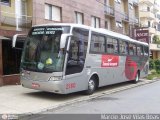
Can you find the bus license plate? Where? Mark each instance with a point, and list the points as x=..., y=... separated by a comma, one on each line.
x=35, y=85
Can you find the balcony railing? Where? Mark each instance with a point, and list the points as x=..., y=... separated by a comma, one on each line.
x=147, y=14
x=157, y=32
x=148, y=2
x=134, y=20
x=13, y=20
x=135, y=2
x=125, y=17
x=156, y=20
x=156, y=8
x=153, y=46
x=152, y=30
x=109, y=10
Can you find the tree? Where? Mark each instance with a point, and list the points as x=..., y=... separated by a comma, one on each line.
x=156, y=39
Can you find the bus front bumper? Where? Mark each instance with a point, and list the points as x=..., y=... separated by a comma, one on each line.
x=48, y=86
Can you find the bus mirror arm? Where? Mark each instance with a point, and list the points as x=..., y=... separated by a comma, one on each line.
x=67, y=51
x=64, y=40
x=15, y=39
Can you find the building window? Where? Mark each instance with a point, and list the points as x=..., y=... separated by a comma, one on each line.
x=105, y=2
x=131, y=5
x=5, y=2
x=118, y=1
x=95, y=22
x=106, y=24
x=149, y=24
x=52, y=12
x=78, y=17
x=119, y=24
x=148, y=9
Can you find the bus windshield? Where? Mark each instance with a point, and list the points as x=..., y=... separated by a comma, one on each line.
x=42, y=51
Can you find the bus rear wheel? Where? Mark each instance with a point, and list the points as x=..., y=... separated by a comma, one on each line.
x=136, y=80
x=91, y=86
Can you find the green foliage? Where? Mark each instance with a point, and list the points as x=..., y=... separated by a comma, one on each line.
x=150, y=77
x=156, y=39
x=157, y=66
x=154, y=66
x=153, y=72
x=151, y=64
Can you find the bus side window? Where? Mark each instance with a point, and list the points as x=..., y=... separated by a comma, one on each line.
x=97, y=43
x=132, y=49
x=146, y=51
x=123, y=45
x=140, y=50
x=77, y=51
x=135, y=49
x=115, y=43
x=112, y=45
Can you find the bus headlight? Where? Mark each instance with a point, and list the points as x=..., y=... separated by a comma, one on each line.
x=55, y=78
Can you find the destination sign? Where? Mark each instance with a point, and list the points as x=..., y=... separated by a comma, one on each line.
x=47, y=31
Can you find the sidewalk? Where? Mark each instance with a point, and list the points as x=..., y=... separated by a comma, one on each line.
x=19, y=100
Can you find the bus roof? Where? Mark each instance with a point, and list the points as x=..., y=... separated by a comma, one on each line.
x=99, y=30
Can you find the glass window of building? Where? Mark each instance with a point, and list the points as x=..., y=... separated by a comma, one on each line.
x=79, y=18
x=52, y=12
x=5, y=2
x=95, y=22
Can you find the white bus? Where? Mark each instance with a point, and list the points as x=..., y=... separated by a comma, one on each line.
x=66, y=58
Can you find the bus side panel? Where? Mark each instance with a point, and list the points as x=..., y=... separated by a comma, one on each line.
x=144, y=68
x=76, y=82
x=133, y=64
x=109, y=74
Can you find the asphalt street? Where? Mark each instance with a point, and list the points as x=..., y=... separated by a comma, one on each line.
x=20, y=102
x=140, y=100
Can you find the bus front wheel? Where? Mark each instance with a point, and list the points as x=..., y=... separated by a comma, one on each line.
x=91, y=86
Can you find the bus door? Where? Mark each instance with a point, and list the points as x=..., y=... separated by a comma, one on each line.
x=75, y=73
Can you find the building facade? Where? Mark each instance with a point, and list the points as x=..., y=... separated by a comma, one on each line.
x=88, y=12
x=17, y=16
x=14, y=18
x=121, y=15
x=149, y=20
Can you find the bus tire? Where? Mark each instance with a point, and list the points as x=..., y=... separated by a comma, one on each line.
x=136, y=80
x=91, y=86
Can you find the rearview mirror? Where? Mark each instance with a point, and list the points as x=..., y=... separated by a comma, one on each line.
x=64, y=39
x=14, y=40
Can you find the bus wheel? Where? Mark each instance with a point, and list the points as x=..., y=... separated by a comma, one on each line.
x=91, y=86
x=137, y=78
